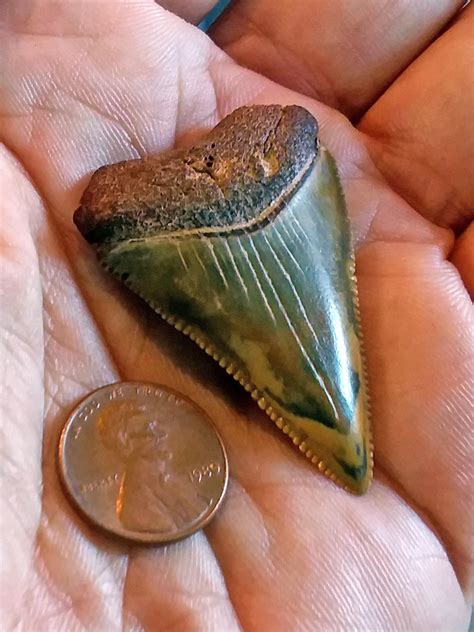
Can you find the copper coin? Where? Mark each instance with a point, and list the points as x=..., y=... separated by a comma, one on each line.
x=143, y=462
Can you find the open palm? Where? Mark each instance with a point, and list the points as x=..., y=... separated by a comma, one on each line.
x=88, y=83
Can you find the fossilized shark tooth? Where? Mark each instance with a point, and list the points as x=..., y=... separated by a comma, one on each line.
x=243, y=243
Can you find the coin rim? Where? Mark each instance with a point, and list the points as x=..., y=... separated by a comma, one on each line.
x=136, y=537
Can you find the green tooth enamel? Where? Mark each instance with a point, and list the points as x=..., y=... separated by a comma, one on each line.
x=270, y=294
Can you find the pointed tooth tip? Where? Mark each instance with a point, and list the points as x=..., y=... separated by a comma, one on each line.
x=262, y=403
x=359, y=488
x=354, y=487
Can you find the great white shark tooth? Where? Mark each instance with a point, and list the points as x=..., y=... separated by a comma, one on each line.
x=243, y=243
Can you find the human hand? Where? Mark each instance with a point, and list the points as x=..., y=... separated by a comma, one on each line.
x=89, y=83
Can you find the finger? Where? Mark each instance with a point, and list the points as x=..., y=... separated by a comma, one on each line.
x=191, y=11
x=46, y=342
x=420, y=357
x=44, y=370
x=21, y=385
x=420, y=131
x=341, y=52
x=463, y=258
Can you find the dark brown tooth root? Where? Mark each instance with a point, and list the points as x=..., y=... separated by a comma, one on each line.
x=257, y=152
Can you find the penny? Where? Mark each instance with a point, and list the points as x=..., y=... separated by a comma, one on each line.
x=143, y=462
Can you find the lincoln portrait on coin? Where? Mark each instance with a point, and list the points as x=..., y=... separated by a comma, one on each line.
x=153, y=496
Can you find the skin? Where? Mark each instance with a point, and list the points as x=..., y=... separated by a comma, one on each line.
x=87, y=83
